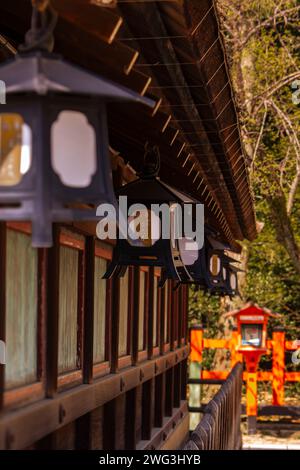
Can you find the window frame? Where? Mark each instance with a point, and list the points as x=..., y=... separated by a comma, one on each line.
x=104, y=251
x=29, y=393
x=68, y=238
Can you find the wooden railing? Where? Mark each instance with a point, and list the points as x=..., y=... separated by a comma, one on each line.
x=219, y=428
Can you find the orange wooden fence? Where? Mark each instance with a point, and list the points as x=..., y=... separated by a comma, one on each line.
x=277, y=346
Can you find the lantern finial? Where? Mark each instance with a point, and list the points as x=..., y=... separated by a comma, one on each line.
x=43, y=21
x=151, y=164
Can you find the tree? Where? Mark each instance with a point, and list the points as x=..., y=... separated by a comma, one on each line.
x=262, y=41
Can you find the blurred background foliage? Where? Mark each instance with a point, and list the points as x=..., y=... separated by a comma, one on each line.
x=262, y=42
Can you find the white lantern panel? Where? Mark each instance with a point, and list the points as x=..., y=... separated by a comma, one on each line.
x=73, y=149
x=189, y=251
x=214, y=265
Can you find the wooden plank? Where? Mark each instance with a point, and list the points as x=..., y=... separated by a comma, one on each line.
x=177, y=385
x=214, y=374
x=102, y=22
x=88, y=59
x=169, y=403
x=160, y=436
x=184, y=378
x=42, y=315
x=124, y=332
x=45, y=416
x=135, y=315
x=131, y=417
x=216, y=343
x=96, y=428
x=52, y=314
x=82, y=432
x=120, y=417
x=162, y=319
x=115, y=316
x=181, y=315
x=2, y=301
x=109, y=423
x=88, y=341
x=116, y=55
x=64, y=438
x=151, y=313
x=148, y=390
x=160, y=397
x=138, y=414
x=292, y=377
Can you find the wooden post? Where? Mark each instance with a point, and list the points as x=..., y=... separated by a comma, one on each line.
x=278, y=368
x=251, y=399
x=2, y=303
x=196, y=338
x=252, y=360
x=89, y=310
x=234, y=354
x=53, y=255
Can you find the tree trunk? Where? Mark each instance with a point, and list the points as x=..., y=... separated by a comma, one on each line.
x=283, y=227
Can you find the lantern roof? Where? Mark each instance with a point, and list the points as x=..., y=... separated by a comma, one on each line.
x=42, y=73
x=155, y=191
x=217, y=244
x=253, y=309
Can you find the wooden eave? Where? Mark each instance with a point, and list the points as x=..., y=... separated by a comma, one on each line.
x=199, y=140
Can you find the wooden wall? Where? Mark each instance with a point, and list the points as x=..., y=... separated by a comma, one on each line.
x=110, y=355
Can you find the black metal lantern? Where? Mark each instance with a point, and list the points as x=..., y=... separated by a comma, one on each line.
x=166, y=253
x=230, y=276
x=213, y=269
x=54, y=151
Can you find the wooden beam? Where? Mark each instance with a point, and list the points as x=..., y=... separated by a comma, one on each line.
x=42, y=418
x=115, y=55
x=89, y=59
x=102, y=22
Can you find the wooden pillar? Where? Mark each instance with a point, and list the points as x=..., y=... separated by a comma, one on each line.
x=251, y=399
x=169, y=402
x=278, y=368
x=252, y=359
x=2, y=302
x=160, y=390
x=135, y=315
x=196, y=339
x=147, y=409
x=234, y=354
x=150, y=315
x=89, y=310
x=133, y=429
x=115, y=314
x=177, y=385
x=52, y=314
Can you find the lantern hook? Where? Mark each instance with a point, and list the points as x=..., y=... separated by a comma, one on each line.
x=151, y=164
x=43, y=22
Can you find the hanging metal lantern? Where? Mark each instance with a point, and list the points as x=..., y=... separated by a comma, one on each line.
x=230, y=274
x=54, y=151
x=156, y=250
x=212, y=269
